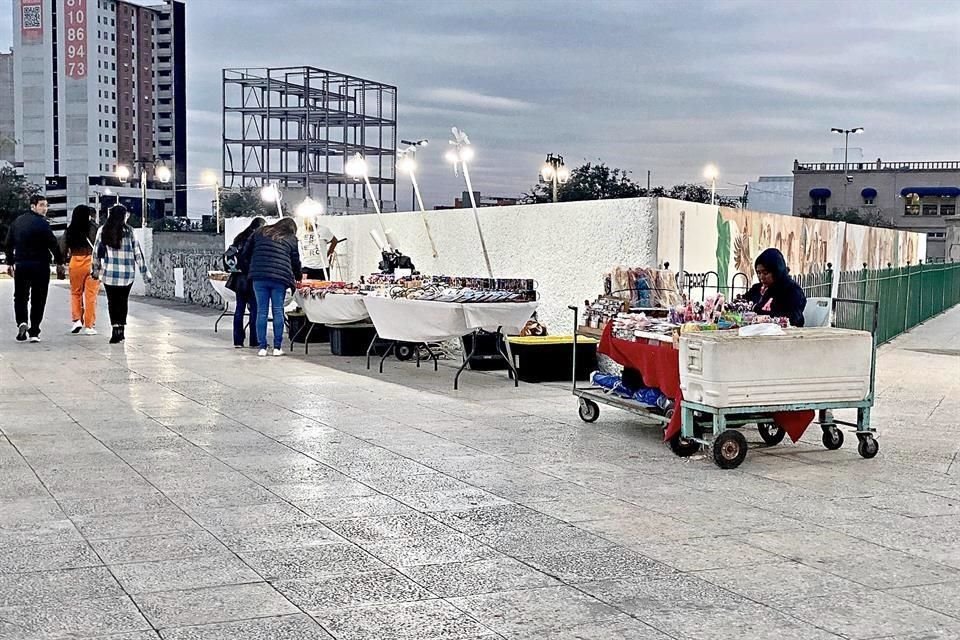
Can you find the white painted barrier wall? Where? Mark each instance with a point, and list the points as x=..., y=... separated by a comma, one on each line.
x=565, y=247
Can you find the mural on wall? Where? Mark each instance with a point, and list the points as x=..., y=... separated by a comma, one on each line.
x=809, y=244
x=195, y=264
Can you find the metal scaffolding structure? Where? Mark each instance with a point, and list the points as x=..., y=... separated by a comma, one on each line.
x=298, y=127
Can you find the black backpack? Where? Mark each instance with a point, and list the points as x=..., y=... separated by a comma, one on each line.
x=231, y=259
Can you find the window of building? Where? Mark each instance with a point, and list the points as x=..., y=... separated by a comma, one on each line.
x=819, y=207
x=911, y=205
x=948, y=209
x=930, y=209
x=114, y=138
x=936, y=235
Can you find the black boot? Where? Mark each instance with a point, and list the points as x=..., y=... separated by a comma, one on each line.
x=122, y=334
x=117, y=334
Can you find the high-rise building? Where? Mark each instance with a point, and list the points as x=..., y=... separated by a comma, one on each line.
x=8, y=133
x=100, y=84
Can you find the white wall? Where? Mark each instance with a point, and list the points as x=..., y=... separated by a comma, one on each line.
x=565, y=247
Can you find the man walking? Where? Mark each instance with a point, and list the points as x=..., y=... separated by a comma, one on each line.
x=30, y=244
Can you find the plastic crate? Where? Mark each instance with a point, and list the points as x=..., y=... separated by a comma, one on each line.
x=486, y=358
x=351, y=341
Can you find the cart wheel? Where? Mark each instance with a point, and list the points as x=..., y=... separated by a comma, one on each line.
x=771, y=433
x=404, y=351
x=684, y=448
x=589, y=410
x=729, y=449
x=868, y=447
x=832, y=437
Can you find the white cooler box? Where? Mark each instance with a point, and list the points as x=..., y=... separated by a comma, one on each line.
x=721, y=369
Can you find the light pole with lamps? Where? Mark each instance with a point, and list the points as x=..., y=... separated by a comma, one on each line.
x=270, y=193
x=411, y=152
x=357, y=169
x=460, y=154
x=710, y=173
x=211, y=178
x=406, y=161
x=555, y=173
x=160, y=171
x=846, y=148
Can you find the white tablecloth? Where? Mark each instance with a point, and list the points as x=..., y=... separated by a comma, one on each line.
x=220, y=286
x=334, y=308
x=424, y=321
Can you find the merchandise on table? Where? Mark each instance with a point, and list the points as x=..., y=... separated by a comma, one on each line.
x=318, y=289
x=459, y=289
x=219, y=276
x=643, y=287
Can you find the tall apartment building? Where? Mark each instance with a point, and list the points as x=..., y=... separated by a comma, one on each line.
x=7, y=129
x=101, y=84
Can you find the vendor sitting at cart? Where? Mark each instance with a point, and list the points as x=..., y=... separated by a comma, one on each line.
x=777, y=294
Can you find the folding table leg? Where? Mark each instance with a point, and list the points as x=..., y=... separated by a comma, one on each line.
x=466, y=361
x=225, y=312
x=433, y=356
x=501, y=340
x=370, y=349
x=388, y=352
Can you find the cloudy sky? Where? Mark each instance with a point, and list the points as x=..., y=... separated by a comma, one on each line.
x=639, y=84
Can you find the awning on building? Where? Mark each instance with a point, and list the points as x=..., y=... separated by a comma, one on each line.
x=869, y=192
x=820, y=194
x=944, y=192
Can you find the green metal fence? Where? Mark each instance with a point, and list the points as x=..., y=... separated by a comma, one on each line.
x=906, y=296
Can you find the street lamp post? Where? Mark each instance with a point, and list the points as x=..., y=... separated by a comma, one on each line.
x=554, y=172
x=210, y=178
x=406, y=161
x=846, y=148
x=357, y=169
x=411, y=151
x=160, y=171
x=460, y=155
x=711, y=173
x=271, y=193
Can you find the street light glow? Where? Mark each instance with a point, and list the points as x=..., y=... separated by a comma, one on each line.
x=466, y=153
x=209, y=177
x=356, y=167
x=270, y=193
x=547, y=172
x=164, y=174
x=123, y=173
x=309, y=208
x=563, y=175
x=710, y=172
x=407, y=164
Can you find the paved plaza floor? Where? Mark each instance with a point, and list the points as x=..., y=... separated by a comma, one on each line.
x=173, y=487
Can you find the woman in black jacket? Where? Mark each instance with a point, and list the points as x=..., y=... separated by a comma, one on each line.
x=777, y=294
x=240, y=284
x=274, y=267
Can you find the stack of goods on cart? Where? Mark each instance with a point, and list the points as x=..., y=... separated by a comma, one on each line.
x=630, y=386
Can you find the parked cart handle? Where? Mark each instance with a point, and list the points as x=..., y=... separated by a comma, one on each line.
x=576, y=319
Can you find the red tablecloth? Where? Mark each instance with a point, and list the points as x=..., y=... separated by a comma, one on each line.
x=659, y=364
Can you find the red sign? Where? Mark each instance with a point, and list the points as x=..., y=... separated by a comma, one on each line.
x=31, y=19
x=75, y=60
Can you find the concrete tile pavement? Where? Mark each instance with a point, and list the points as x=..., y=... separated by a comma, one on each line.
x=173, y=487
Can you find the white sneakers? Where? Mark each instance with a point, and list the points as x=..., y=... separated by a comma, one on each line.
x=276, y=352
x=88, y=331
x=262, y=352
x=22, y=332
x=34, y=338
x=77, y=326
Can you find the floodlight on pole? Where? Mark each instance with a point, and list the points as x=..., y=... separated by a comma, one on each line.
x=407, y=163
x=309, y=208
x=357, y=169
x=710, y=172
x=270, y=193
x=460, y=155
x=555, y=173
x=846, y=147
x=123, y=173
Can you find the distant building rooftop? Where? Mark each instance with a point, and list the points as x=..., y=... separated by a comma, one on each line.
x=879, y=165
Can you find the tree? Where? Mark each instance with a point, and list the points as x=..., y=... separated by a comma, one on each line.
x=15, y=194
x=851, y=216
x=700, y=193
x=246, y=202
x=588, y=182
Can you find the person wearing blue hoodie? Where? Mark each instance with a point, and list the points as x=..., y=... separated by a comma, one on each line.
x=777, y=294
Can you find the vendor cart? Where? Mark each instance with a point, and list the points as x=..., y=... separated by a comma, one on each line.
x=699, y=424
